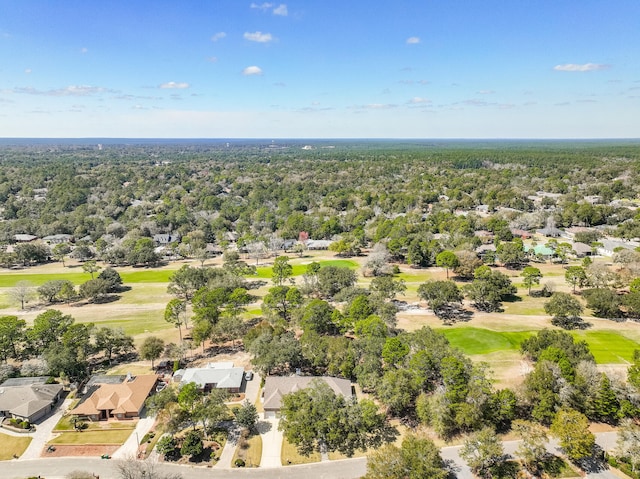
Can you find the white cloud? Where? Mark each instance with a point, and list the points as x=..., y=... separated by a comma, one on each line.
x=281, y=10
x=258, y=37
x=261, y=6
x=174, y=85
x=486, y=92
x=212, y=59
x=413, y=40
x=218, y=36
x=84, y=50
x=252, y=70
x=28, y=70
x=416, y=100
x=71, y=90
x=585, y=67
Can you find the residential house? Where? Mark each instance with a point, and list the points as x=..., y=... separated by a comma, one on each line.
x=28, y=399
x=277, y=386
x=24, y=238
x=582, y=249
x=318, y=244
x=166, y=239
x=522, y=234
x=485, y=236
x=550, y=232
x=220, y=375
x=124, y=400
x=608, y=247
x=57, y=239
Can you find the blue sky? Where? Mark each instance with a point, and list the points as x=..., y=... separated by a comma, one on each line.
x=320, y=69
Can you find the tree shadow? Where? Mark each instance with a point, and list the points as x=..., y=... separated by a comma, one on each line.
x=263, y=427
x=452, y=314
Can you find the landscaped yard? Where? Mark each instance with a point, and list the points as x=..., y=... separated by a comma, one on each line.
x=92, y=436
x=290, y=455
x=66, y=424
x=12, y=445
x=249, y=450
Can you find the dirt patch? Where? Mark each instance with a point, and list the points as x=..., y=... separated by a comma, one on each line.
x=85, y=451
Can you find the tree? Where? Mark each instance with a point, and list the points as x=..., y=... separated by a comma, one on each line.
x=416, y=458
x=60, y=251
x=22, y=292
x=151, y=348
x=173, y=314
x=135, y=469
x=511, y=254
x=440, y=295
x=48, y=328
x=332, y=279
x=112, y=278
x=281, y=270
x=67, y=291
x=447, y=260
x=94, y=289
x=468, y=262
x=247, y=415
x=575, y=276
x=12, y=333
x=604, y=302
x=167, y=447
x=51, y=290
x=282, y=301
x=565, y=309
x=489, y=289
x=316, y=419
x=531, y=276
x=572, y=429
x=606, y=404
x=113, y=341
x=387, y=287
x=192, y=444
x=91, y=267
x=482, y=451
x=629, y=442
x=532, y=449
x=377, y=263
x=184, y=282
x=318, y=316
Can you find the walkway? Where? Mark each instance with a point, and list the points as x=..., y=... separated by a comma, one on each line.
x=43, y=432
x=130, y=447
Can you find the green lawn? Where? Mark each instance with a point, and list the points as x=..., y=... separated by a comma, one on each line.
x=146, y=276
x=9, y=280
x=66, y=424
x=609, y=347
x=265, y=272
x=484, y=341
x=12, y=445
x=115, y=436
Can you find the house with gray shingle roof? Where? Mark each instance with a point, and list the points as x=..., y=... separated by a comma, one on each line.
x=215, y=376
x=28, y=400
x=277, y=386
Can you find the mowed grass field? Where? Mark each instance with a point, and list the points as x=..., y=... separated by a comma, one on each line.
x=607, y=346
x=493, y=338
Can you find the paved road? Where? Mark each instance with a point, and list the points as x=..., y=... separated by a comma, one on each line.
x=58, y=468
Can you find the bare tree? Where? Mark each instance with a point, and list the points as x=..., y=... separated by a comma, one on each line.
x=132, y=469
x=23, y=292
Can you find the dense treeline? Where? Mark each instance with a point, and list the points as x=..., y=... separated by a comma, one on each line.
x=369, y=191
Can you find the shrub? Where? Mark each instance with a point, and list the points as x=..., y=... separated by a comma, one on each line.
x=25, y=424
x=239, y=462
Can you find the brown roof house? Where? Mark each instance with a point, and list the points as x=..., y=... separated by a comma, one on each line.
x=29, y=400
x=119, y=401
x=277, y=386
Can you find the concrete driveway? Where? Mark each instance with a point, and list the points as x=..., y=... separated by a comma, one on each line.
x=43, y=431
x=271, y=442
x=130, y=447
